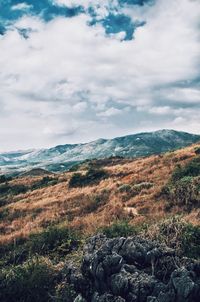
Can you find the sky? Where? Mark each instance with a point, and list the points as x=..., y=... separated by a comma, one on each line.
x=78, y=70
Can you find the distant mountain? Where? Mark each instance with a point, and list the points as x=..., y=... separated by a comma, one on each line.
x=62, y=157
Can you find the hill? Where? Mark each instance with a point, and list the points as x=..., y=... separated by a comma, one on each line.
x=61, y=158
x=98, y=192
x=36, y=172
x=146, y=209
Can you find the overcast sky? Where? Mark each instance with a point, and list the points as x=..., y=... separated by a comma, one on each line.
x=77, y=70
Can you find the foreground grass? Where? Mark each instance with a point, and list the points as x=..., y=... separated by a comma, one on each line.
x=34, y=269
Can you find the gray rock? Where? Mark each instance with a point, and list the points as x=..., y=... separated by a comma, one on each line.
x=79, y=298
x=120, y=270
x=183, y=284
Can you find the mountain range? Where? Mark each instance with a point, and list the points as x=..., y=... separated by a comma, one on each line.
x=63, y=157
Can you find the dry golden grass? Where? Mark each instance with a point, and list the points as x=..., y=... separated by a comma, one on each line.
x=34, y=210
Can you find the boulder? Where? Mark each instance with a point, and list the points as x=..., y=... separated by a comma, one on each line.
x=134, y=270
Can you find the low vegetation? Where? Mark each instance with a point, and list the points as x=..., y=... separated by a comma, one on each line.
x=92, y=176
x=119, y=229
x=4, y=178
x=183, y=189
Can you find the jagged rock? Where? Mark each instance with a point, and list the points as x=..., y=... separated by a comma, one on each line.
x=133, y=270
x=106, y=298
x=79, y=298
x=184, y=286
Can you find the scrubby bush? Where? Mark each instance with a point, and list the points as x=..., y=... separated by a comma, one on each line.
x=197, y=150
x=132, y=190
x=65, y=292
x=44, y=182
x=4, y=213
x=186, y=192
x=119, y=229
x=183, y=189
x=191, y=169
x=32, y=281
x=177, y=234
x=125, y=188
x=191, y=241
x=6, y=189
x=92, y=176
x=56, y=242
x=4, y=178
x=143, y=185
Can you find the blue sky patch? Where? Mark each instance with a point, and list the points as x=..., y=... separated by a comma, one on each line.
x=12, y=10
x=115, y=23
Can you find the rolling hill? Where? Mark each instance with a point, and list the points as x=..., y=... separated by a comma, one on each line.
x=97, y=192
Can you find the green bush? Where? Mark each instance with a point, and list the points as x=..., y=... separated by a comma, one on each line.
x=177, y=234
x=191, y=241
x=32, y=281
x=125, y=188
x=187, y=192
x=44, y=182
x=93, y=176
x=191, y=169
x=184, y=187
x=65, y=292
x=60, y=240
x=6, y=189
x=4, y=178
x=184, y=193
x=119, y=229
x=56, y=242
x=4, y=213
x=197, y=150
x=143, y=185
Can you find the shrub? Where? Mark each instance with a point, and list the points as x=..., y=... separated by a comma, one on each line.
x=184, y=193
x=44, y=182
x=4, y=213
x=191, y=169
x=4, y=178
x=125, y=188
x=177, y=234
x=184, y=187
x=133, y=189
x=56, y=240
x=143, y=185
x=65, y=292
x=119, y=229
x=32, y=281
x=197, y=150
x=13, y=190
x=191, y=241
x=93, y=176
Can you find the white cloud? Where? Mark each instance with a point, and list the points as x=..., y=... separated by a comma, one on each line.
x=21, y=6
x=110, y=112
x=56, y=86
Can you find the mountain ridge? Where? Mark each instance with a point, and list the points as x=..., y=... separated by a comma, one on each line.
x=61, y=157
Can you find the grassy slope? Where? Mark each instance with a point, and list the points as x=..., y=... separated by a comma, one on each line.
x=131, y=191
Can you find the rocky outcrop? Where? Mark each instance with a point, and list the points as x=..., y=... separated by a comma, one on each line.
x=134, y=270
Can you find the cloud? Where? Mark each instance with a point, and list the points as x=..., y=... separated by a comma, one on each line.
x=70, y=82
x=21, y=6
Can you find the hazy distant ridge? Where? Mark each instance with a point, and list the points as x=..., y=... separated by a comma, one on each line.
x=60, y=157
